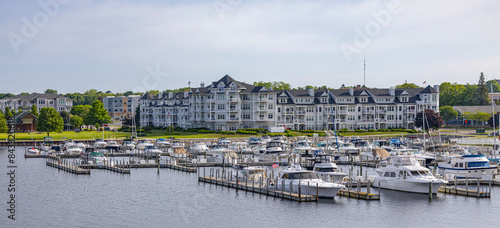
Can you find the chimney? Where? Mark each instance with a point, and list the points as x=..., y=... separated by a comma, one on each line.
x=186, y=94
x=436, y=87
x=311, y=92
x=202, y=84
x=351, y=91
x=170, y=95
x=392, y=92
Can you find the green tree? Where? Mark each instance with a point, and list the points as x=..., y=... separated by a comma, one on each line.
x=34, y=110
x=138, y=116
x=4, y=95
x=407, y=85
x=80, y=110
x=3, y=124
x=8, y=114
x=493, y=84
x=481, y=92
x=78, y=98
x=128, y=93
x=97, y=115
x=480, y=117
x=49, y=120
x=66, y=117
x=494, y=119
x=276, y=85
x=153, y=92
x=76, y=121
x=24, y=93
x=448, y=113
x=50, y=91
x=90, y=96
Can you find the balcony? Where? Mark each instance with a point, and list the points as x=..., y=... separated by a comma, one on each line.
x=234, y=99
x=368, y=111
x=301, y=112
x=234, y=109
x=234, y=118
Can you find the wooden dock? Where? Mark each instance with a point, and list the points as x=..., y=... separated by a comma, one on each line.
x=358, y=194
x=75, y=169
x=450, y=190
x=250, y=187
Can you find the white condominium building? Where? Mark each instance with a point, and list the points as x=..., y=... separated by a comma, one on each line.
x=228, y=105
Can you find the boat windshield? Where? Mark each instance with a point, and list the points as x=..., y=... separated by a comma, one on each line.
x=258, y=171
x=301, y=175
x=330, y=169
x=478, y=164
x=421, y=173
x=404, y=161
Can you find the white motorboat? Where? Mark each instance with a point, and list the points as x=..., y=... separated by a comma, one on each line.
x=250, y=174
x=404, y=173
x=177, y=150
x=152, y=151
x=274, y=147
x=73, y=149
x=91, y=156
x=33, y=150
x=309, y=183
x=99, y=143
x=112, y=145
x=467, y=166
x=224, y=142
x=162, y=143
x=128, y=145
x=142, y=144
x=328, y=172
x=81, y=145
x=199, y=148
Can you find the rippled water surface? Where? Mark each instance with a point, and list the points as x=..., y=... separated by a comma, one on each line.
x=47, y=197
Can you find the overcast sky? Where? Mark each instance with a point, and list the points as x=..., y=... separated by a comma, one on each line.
x=73, y=46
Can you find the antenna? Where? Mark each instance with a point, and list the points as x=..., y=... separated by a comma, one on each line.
x=364, y=69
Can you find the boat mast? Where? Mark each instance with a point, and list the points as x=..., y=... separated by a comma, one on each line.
x=333, y=120
x=493, y=114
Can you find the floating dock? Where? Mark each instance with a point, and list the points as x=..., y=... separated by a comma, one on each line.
x=75, y=169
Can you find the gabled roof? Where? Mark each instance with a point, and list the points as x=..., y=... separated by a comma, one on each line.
x=429, y=89
x=146, y=96
x=21, y=115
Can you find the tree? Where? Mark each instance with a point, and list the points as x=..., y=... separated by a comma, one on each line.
x=24, y=93
x=76, y=121
x=49, y=120
x=432, y=120
x=481, y=92
x=34, y=110
x=4, y=95
x=448, y=113
x=493, y=84
x=407, y=85
x=128, y=93
x=78, y=98
x=153, y=92
x=97, y=115
x=80, y=110
x=276, y=85
x=50, y=91
x=90, y=96
x=65, y=116
x=491, y=121
x=8, y=114
x=480, y=117
x=3, y=124
x=138, y=116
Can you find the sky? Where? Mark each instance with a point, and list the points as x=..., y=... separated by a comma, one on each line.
x=73, y=46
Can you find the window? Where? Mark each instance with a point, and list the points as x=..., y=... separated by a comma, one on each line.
x=245, y=97
x=221, y=107
x=270, y=116
x=271, y=97
x=245, y=116
x=310, y=109
x=364, y=99
x=221, y=88
x=351, y=109
x=309, y=118
x=404, y=99
x=270, y=106
x=220, y=97
x=221, y=116
x=283, y=100
x=233, y=88
x=245, y=106
x=324, y=99
x=390, y=109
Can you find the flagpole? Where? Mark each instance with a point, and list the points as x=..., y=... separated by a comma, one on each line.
x=493, y=118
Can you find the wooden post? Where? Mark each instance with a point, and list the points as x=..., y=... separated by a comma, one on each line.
x=299, y=192
x=282, y=188
x=467, y=185
x=358, y=188
x=430, y=190
x=455, y=185
x=317, y=192
x=368, y=189
x=478, y=185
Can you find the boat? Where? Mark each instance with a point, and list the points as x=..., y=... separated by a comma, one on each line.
x=81, y=145
x=142, y=144
x=404, y=173
x=199, y=148
x=250, y=174
x=92, y=156
x=309, y=183
x=73, y=149
x=328, y=172
x=177, y=150
x=128, y=145
x=152, y=151
x=55, y=149
x=99, y=143
x=467, y=166
x=33, y=150
x=223, y=142
x=113, y=146
x=162, y=143
x=274, y=147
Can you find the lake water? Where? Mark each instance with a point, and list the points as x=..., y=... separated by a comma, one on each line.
x=47, y=197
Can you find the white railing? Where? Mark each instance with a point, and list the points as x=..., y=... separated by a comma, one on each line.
x=482, y=141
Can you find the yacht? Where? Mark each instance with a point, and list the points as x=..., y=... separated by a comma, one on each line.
x=73, y=149
x=92, y=156
x=223, y=142
x=404, y=173
x=112, y=145
x=142, y=144
x=128, y=145
x=274, y=147
x=99, y=143
x=199, y=148
x=162, y=143
x=467, y=166
x=33, y=150
x=328, y=172
x=177, y=150
x=309, y=183
x=152, y=151
x=250, y=174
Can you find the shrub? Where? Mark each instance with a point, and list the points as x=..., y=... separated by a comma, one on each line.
x=245, y=132
x=371, y=130
x=383, y=130
x=343, y=130
x=206, y=131
x=173, y=133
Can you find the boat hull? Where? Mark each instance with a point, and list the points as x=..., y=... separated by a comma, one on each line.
x=469, y=173
x=408, y=186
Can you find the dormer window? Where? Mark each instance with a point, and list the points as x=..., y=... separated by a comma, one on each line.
x=404, y=99
x=324, y=100
x=221, y=88
x=364, y=99
x=283, y=100
x=233, y=88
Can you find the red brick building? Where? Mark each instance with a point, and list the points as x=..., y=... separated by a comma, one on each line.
x=24, y=122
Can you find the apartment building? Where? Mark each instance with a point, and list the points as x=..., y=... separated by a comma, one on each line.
x=119, y=107
x=24, y=102
x=227, y=105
